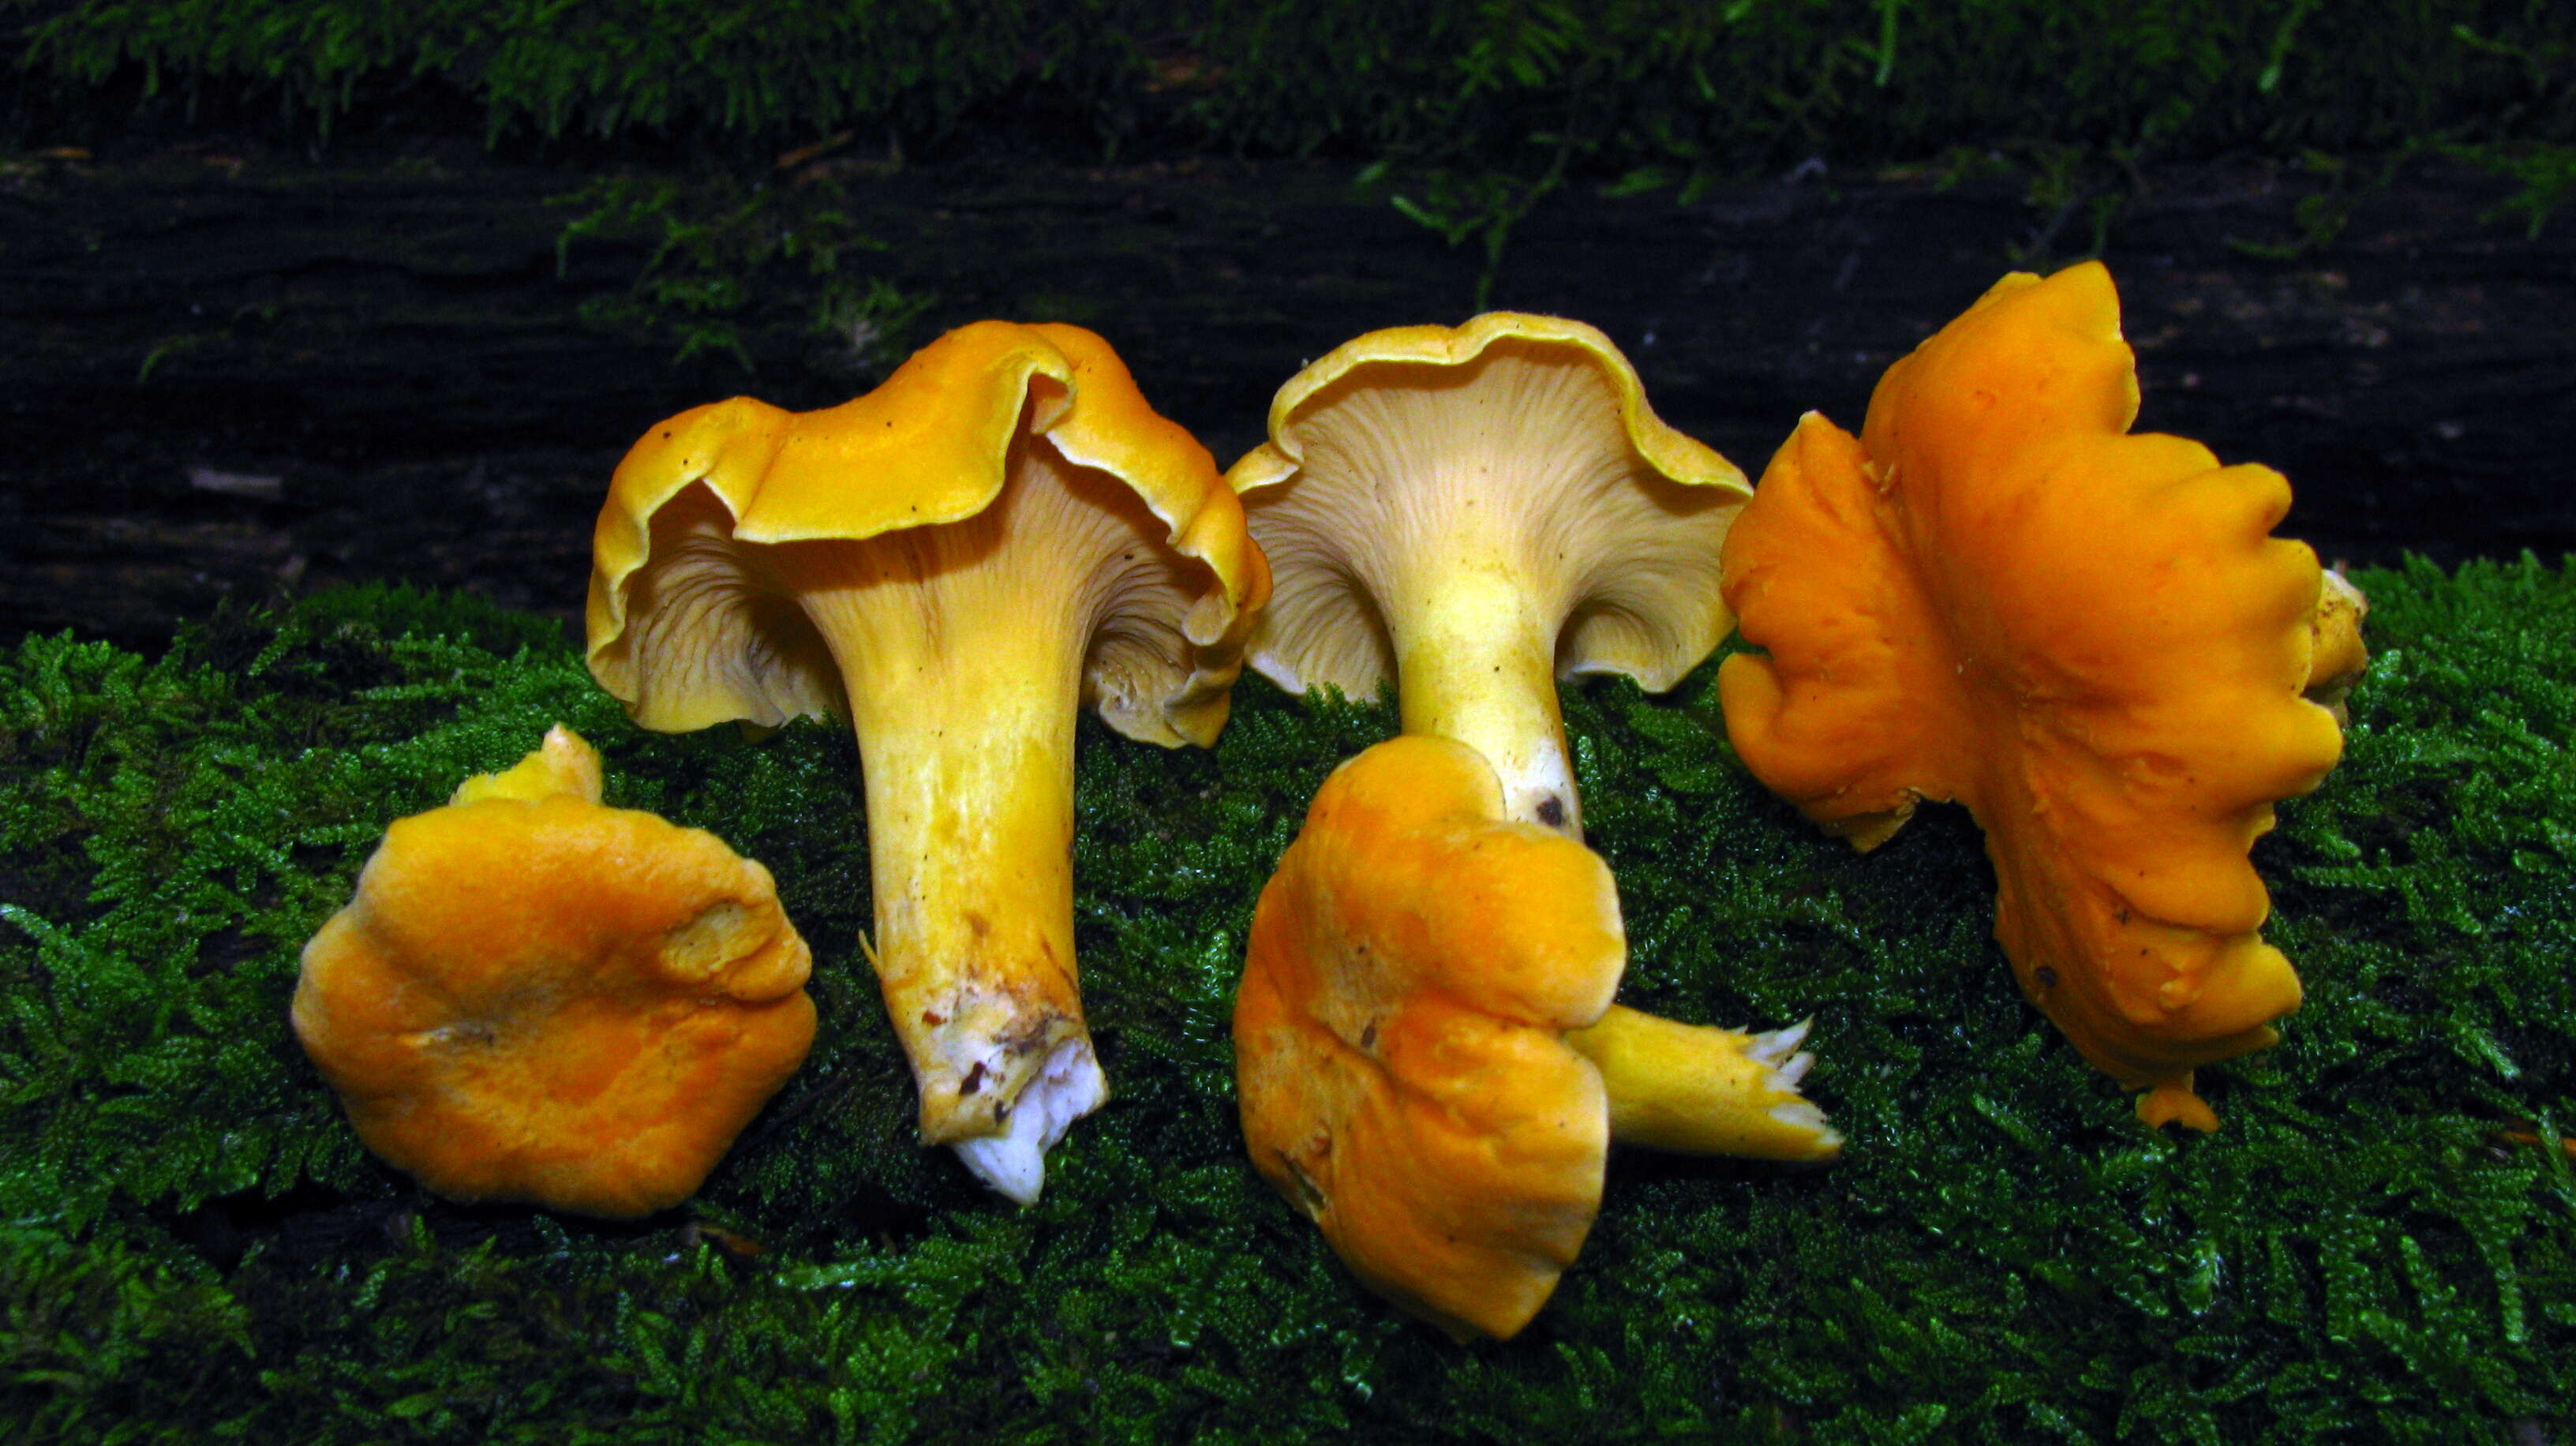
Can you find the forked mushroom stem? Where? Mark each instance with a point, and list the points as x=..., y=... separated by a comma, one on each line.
x=1476, y=661
x=1699, y=1090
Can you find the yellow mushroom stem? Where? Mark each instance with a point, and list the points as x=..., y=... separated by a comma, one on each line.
x=968, y=764
x=1476, y=661
x=1699, y=1090
x=961, y=649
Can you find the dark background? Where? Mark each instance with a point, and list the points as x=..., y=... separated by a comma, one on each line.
x=243, y=359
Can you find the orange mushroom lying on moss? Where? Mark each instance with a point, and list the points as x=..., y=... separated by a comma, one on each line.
x=1996, y=594
x=538, y=998
x=959, y=561
x=1429, y=1062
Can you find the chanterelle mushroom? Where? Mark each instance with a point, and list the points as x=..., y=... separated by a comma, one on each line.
x=534, y=997
x=1995, y=594
x=961, y=559
x=1430, y=1065
x=1476, y=512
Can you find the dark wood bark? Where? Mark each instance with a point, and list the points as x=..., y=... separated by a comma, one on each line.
x=228, y=375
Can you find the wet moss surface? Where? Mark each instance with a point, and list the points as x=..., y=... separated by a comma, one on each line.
x=194, y=1247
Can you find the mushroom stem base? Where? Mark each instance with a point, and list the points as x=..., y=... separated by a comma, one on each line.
x=1700, y=1090
x=1067, y=1087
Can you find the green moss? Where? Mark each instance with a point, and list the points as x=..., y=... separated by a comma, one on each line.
x=193, y=1247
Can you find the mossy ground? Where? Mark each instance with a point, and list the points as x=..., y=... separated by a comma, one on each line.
x=193, y=1246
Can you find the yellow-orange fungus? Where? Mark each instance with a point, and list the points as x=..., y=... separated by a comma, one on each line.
x=1998, y=595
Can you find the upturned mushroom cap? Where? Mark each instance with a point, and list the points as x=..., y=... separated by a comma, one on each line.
x=1475, y=512
x=691, y=622
x=687, y=626
x=537, y=998
x=1414, y=965
x=959, y=560
x=1997, y=595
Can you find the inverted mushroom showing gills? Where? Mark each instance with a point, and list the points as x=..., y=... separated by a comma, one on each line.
x=960, y=560
x=1429, y=1062
x=1996, y=594
x=537, y=998
x=1476, y=512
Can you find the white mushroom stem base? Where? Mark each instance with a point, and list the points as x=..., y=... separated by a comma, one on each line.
x=1699, y=1090
x=1067, y=1087
x=1476, y=661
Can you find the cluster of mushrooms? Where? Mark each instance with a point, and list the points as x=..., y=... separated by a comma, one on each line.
x=1994, y=594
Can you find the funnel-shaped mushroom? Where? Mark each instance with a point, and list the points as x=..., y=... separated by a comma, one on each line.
x=534, y=997
x=1997, y=595
x=1476, y=512
x=960, y=560
x=1430, y=1065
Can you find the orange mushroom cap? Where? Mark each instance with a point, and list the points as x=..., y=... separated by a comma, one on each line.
x=1429, y=1063
x=960, y=560
x=1414, y=965
x=1997, y=595
x=534, y=997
